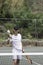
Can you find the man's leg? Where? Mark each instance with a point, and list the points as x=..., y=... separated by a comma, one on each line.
x=28, y=58
x=19, y=57
x=16, y=62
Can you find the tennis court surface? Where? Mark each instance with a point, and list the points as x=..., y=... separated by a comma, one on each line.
x=7, y=60
x=26, y=49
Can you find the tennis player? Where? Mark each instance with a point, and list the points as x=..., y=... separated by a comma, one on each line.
x=17, y=46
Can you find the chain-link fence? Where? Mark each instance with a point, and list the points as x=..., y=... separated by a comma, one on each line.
x=31, y=28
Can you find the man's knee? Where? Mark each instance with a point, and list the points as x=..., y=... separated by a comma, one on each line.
x=15, y=62
x=18, y=61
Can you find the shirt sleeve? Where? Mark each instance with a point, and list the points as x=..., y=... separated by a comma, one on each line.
x=20, y=37
x=10, y=38
x=10, y=35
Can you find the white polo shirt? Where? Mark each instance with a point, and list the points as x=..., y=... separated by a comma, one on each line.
x=16, y=41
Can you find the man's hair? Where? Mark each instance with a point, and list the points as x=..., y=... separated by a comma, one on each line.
x=16, y=28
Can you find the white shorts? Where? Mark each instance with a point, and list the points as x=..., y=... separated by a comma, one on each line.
x=15, y=51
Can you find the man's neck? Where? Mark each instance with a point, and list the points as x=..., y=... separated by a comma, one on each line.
x=16, y=34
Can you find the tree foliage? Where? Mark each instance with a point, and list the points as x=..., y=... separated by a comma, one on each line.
x=20, y=14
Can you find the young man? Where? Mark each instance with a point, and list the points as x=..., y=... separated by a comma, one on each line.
x=17, y=45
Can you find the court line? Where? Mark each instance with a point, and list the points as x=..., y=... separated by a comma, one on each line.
x=6, y=54
x=35, y=63
x=32, y=61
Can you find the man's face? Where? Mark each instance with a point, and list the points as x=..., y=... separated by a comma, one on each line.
x=15, y=31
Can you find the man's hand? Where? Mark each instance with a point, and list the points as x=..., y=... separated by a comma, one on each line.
x=22, y=50
x=8, y=31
